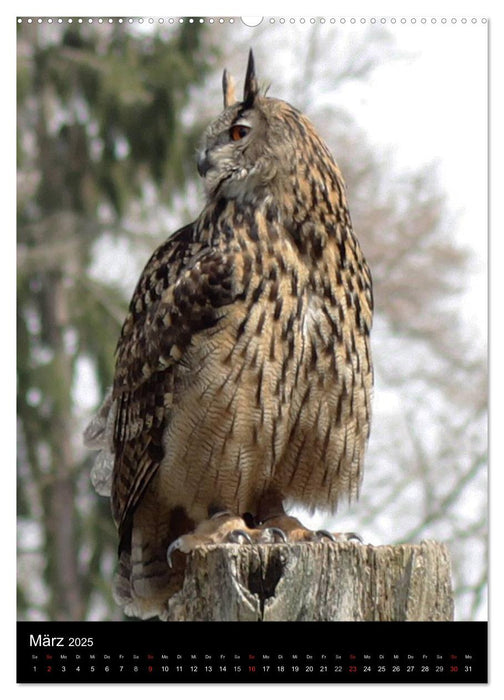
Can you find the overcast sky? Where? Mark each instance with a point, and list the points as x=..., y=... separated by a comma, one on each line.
x=433, y=107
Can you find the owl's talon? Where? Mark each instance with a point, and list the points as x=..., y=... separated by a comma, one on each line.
x=353, y=536
x=220, y=514
x=236, y=537
x=273, y=535
x=340, y=536
x=176, y=544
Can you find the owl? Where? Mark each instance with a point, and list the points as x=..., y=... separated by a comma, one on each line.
x=243, y=373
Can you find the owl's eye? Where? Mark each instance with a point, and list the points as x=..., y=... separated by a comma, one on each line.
x=238, y=132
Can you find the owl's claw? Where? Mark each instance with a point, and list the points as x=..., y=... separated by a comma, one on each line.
x=176, y=544
x=339, y=536
x=268, y=535
x=220, y=514
x=237, y=537
x=211, y=531
x=272, y=535
x=349, y=536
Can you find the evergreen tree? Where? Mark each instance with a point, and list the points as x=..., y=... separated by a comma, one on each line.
x=98, y=122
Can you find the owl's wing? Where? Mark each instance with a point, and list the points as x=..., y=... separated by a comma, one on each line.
x=180, y=293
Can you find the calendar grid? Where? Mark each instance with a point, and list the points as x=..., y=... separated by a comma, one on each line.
x=246, y=652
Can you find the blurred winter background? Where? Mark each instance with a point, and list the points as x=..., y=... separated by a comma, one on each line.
x=109, y=117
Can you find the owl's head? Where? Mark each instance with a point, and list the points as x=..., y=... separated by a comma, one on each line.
x=256, y=145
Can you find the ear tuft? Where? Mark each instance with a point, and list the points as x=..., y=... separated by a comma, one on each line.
x=251, y=88
x=228, y=89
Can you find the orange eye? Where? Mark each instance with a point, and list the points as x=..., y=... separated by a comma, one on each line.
x=238, y=131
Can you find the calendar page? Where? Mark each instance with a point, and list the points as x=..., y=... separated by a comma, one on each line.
x=252, y=349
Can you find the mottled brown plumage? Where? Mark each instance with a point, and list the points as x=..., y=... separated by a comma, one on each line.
x=243, y=374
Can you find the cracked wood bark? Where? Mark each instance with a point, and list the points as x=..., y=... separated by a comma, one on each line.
x=317, y=581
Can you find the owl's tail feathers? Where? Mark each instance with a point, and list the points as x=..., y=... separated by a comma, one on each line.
x=144, y=581
x=143, y=590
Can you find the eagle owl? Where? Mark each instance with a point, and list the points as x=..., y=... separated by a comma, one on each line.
x=243, y=371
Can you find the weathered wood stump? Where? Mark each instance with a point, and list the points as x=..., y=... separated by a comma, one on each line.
x=317, y=581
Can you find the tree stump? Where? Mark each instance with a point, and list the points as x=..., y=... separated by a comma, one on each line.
x=323, y=581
